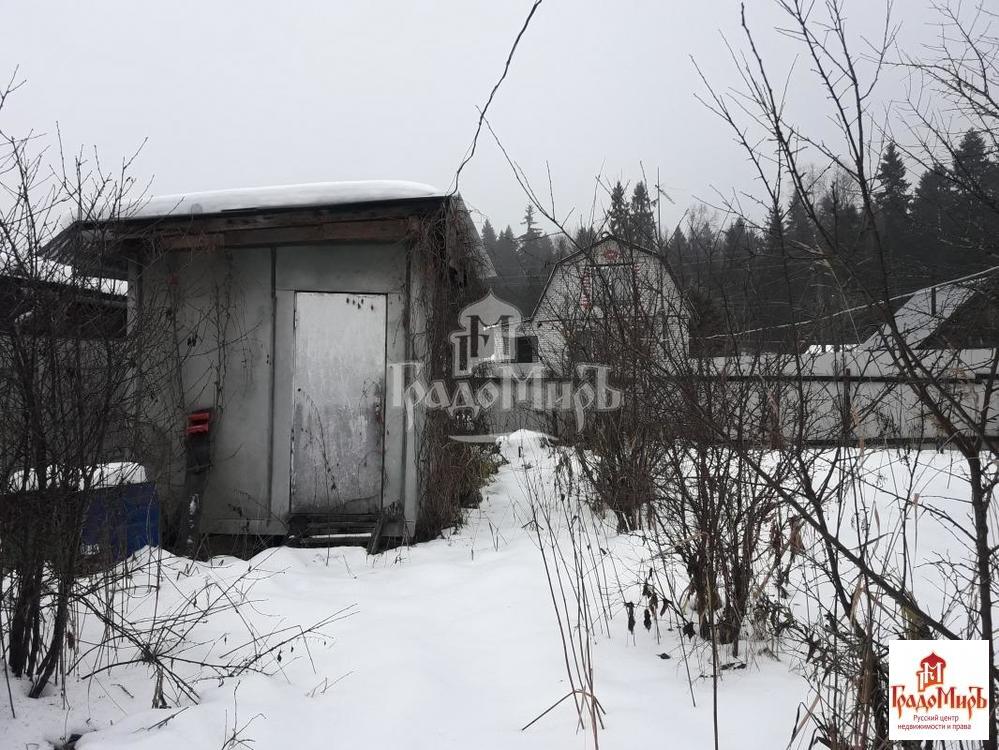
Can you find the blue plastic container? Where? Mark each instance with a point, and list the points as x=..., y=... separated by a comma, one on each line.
x=121, y=520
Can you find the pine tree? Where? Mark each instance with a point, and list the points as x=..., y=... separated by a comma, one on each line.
x=973, y=221
x=585, y=236
x=800, y=270
x=678, y=253
x=505, y=257
x=530, y=224
x=798, y=229
x=619, y=214
x=506, y=240
x=773, y=240
x=490, y=244
x=892, y=201
x=488, y=237
x=768, y=284
x=840, y=219
x=891, y=195
x=643, y=219
x=933, y=243
x=840, y=239
x=736, y=241
x=545, y=253
x=535, y=251
x=972, y=168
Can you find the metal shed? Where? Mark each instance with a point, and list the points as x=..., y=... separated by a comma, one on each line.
x=285, y=308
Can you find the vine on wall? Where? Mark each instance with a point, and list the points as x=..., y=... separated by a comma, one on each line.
x=444, y=258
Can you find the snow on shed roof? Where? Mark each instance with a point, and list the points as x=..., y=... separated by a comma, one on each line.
x=927, y=309
x=283, y=196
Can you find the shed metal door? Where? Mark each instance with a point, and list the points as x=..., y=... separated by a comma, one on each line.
x=339, y=383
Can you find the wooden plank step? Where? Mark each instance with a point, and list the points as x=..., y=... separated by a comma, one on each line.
x=333, y=529
x=322, y=516
x=317, y=528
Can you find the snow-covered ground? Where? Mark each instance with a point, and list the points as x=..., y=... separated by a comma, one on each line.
x=452, y=643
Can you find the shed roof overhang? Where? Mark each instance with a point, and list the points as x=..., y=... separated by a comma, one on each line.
x=104, y=247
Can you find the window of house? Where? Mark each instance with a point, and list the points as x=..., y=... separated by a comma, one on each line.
x=527, y=349
x=611, y=282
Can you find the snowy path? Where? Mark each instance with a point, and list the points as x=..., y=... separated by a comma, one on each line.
x=452, y=644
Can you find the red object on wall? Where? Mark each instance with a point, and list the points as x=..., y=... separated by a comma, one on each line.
x=198, y=422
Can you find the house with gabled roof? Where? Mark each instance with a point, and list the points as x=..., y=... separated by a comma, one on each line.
x=598, y=288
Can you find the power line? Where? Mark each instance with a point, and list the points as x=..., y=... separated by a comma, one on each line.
x=482, y=112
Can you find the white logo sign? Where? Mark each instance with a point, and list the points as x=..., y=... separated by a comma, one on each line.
x=938, y=690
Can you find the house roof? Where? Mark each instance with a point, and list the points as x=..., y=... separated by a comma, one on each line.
x=76, y=307
x=586, y=251
x=927, y=309
x=309, y=195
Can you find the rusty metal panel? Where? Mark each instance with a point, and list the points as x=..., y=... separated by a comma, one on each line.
x=339, y=385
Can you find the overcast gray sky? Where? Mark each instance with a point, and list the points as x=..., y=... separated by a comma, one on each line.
x=234, y=94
